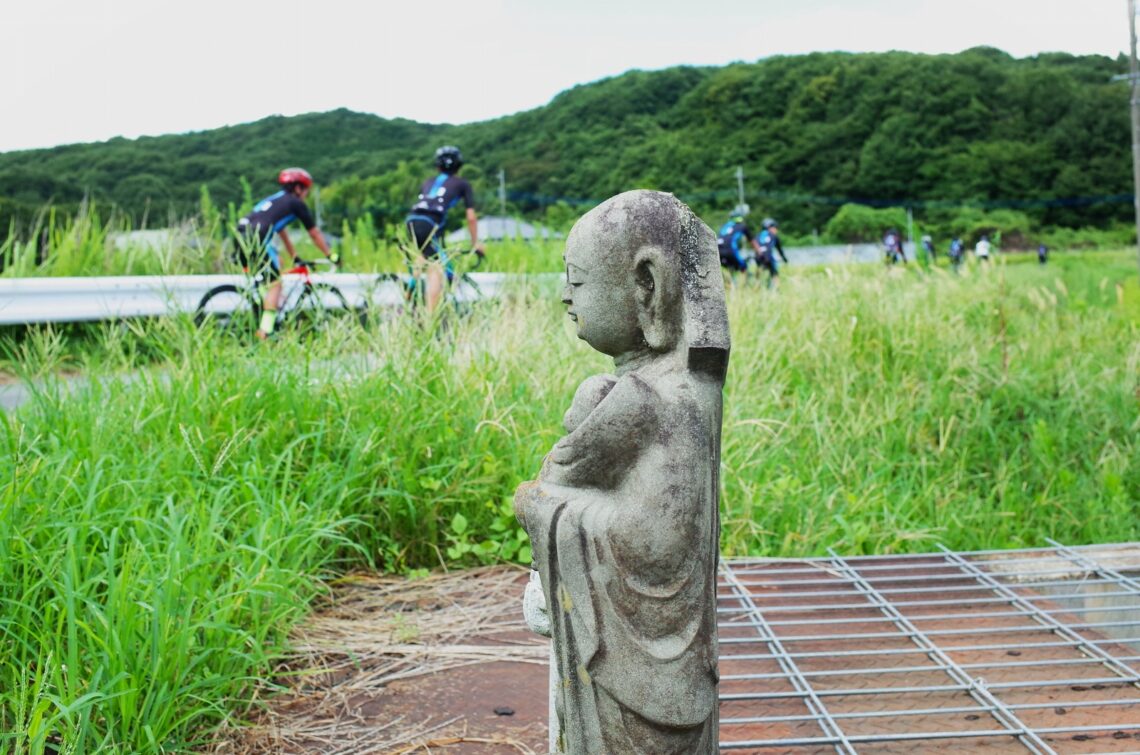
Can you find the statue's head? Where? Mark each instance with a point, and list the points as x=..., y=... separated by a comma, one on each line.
x=642, y=275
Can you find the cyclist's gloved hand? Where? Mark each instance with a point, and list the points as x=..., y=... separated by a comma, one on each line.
x=335, y=258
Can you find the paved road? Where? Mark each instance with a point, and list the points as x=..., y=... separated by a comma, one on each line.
x=15, y=395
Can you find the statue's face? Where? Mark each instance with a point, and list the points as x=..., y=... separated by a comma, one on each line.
x=599, y=303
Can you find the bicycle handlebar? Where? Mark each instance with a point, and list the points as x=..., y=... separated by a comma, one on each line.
x=479, y=256
x=301, y=262
x=453, y=254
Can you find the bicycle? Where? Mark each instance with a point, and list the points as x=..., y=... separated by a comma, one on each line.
x=414, y=284
x=307, y=307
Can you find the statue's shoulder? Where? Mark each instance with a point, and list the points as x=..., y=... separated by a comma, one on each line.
x=630, y=403
x=637, y=387
x=647, y=399
x=671, y=387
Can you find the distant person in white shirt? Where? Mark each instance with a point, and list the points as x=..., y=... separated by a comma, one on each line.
x=982, y=249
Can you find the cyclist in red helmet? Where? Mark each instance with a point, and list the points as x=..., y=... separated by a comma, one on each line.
x=270, y=216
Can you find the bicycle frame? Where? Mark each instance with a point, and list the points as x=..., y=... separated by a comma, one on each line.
x=291, y=295
x=303, y=301
x=413, y=282
x=292, y=291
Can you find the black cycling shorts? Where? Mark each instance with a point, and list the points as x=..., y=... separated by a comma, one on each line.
x=729, y=260
x=767, y=260
x=427, y=236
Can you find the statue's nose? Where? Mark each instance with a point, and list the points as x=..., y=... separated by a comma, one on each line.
x=566, y=294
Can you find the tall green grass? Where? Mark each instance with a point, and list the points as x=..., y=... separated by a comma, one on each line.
x=159, y=536
x=890, y=413
x=87, y=244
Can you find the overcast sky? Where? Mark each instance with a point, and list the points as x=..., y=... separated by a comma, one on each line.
x=87, y=70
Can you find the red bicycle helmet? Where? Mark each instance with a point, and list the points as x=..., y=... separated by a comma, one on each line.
x=295, y=176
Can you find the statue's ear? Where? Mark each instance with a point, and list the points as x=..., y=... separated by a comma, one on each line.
x=658, y=299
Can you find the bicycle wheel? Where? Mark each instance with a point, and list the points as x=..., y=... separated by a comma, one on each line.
x=228, y=309
x=320, y=307
x=465, y=294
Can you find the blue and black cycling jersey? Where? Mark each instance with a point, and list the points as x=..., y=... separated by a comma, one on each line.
x=255, y=231
x=769, y=246
x=440, y=194
x=273, y=213
x=732, y=241
x=429, y=213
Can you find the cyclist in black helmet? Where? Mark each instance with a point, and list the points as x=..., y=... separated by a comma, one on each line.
x=732, y=241
x=429, y=214
x=769, y=245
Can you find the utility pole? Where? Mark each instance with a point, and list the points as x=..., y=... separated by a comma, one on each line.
x=502, y=192
x=740, y=177
x=1134, y=87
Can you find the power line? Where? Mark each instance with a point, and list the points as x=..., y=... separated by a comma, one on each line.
x=726, y=196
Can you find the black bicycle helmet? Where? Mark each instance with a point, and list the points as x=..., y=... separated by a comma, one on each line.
x=448, y=158
x=769, y=223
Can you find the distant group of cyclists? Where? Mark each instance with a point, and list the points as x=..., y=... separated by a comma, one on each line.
x=895, y=252
x=956, y=252
x=269, y=218
x=743, y=251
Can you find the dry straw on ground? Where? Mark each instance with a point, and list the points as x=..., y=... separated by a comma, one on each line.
x=374, y=631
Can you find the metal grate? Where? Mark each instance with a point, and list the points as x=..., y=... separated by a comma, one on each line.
x=990, y=651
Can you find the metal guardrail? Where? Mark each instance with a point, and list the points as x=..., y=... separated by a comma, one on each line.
x=43, y=300
x=837, y=254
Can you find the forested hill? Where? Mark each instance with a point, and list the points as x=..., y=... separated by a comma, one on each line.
x=170, y=170
x=810, y=131
x=977, y=125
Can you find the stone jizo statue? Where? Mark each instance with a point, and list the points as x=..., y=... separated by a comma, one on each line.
x=623, y=516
